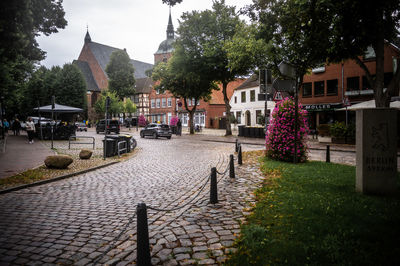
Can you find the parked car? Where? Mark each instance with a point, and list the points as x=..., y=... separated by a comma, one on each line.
x=130, y=122
x=156, y=130
x=112, y=126
x=81, y=127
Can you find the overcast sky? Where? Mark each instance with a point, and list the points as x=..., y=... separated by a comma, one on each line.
x=137, y=25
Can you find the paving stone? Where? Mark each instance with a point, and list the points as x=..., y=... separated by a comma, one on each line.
x=206, y=262
x=200, y=255
x=199, y=248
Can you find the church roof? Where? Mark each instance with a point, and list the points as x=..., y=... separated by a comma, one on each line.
x=103, y=52
x=87, y=75
x=166, y=45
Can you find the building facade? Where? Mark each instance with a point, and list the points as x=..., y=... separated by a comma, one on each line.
x=334, y=86
x=92, y=62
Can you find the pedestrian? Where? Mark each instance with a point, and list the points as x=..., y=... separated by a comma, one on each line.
x=179, y=127
x=30, y=129
x=6, y=126
x=16, y=127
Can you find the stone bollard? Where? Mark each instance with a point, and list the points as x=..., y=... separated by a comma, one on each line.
x=328, y=154
x=231, y=167
x=213, y=186
x=240, y=155
x=143, y=247
x=237, y=145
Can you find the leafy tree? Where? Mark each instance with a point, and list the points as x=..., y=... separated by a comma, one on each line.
x=207, y=32
x=20, y=23
x=116, y=105
x=120, y=74
x=71, y=87
x=129, y=107
x=171, y=2
x=307, y=32
x=184, y=75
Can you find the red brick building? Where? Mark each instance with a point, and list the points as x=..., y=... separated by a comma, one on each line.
x=92, y=62
x=328, y=87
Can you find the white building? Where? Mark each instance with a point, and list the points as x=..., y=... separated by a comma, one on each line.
x=246, y=107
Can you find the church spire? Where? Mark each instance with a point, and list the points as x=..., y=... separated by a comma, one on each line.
x=87, y=37
x=170, y=27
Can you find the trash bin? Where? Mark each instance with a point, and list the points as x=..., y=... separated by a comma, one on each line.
x=110, y=147
x=126, y=138
x=118, y=138
x=241, y=129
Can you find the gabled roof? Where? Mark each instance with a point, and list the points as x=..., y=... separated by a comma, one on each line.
x=87, y=74
x=103, y=52
x=144, y=85
x=249, y=83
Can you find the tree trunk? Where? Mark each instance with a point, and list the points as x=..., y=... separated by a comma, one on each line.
x=191, y=125
x=228, y=131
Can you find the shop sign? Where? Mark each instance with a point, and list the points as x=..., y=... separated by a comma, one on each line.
x=318, y=107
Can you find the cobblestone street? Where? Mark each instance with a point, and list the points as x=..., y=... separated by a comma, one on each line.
x=74, y=221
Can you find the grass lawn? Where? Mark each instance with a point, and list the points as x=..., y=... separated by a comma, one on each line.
x=310, y=214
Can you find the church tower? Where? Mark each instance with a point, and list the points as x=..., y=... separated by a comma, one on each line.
x=165, y=48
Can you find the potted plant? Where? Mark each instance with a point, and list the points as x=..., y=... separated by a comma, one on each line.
x=324, y=134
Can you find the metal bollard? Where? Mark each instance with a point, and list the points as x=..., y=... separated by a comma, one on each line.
x=237, y=145
x=240, y=155
x=143, y=247
x=231, y=167
x=213, y=186
x=328, y=154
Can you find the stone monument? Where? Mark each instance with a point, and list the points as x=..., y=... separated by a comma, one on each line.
x=376, y=151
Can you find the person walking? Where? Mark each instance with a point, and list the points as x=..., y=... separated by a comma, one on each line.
x=16, y=127
x=30, y=129
x=179, y=126
x=6, y=126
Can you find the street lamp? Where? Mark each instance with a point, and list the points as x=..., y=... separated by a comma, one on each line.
x=108, y=102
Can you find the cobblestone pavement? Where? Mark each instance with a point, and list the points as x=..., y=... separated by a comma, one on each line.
x=75, y=221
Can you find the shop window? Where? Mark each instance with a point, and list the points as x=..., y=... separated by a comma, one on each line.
x=332, y=87
x=353, y=84
x=319, y=88
x=252, y=96
x=243, y=96
x=307, y=89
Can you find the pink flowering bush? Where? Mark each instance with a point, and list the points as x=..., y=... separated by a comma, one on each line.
x=142, y=121
x=173, y=121
x=280, y=135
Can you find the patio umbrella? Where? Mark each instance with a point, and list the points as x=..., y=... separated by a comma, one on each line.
x=58, y=108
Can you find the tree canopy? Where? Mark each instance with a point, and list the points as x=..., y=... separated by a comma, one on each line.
x=207, y=33
x=120, y=73
x=307, y=33
x=20, y=23
x=116, y=105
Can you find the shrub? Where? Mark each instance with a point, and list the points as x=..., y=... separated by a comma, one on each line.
x=173, y=121
x=142, y=121
x=324, y=130
x=338, y=130
x=280, y=135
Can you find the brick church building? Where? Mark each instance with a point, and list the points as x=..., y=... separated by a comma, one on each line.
x=92, y=62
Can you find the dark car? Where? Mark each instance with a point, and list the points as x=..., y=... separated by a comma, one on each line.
x=156, y=130
x=112, y=126
x=81, y=127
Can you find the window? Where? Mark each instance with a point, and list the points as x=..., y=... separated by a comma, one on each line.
x=243, y=96
x=157, y=103
x=319, y=88
x=252, y=96
x=157, y=91
x=164, y=102
x=259, y=117
x=332, y=87
x=169, y=118
x=235, y=99
x=189, y=102
x=153, y=103
x=365, y=83
x=353, y=84
x=169, y=100
x=307, y=89
x=238, y=117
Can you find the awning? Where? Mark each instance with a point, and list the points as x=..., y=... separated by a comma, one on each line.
x=368, y=104
x=58, y=108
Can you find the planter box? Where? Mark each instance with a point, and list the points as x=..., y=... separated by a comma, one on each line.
x=325, y=139
x=339, y=140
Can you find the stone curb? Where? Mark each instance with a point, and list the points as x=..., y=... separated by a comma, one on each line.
x=42, y=182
